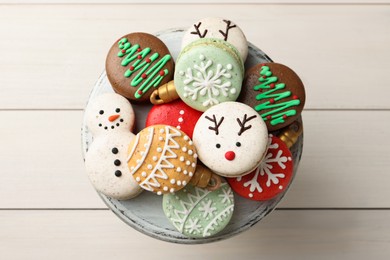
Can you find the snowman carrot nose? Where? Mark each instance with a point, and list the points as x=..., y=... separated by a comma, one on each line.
x=113, y=118
x=230, y=155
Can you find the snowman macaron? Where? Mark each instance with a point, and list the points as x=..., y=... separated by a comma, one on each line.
x=231, y=139
x=109, y=113
x=110, y=117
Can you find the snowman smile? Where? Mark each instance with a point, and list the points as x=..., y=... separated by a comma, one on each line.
x=114, y=125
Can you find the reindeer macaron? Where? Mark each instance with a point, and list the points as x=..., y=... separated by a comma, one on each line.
x=231, y=139
x=217, y=28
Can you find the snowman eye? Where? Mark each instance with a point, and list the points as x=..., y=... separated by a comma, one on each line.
x=238, y=144
x=117, y=110
x=218, y=146
x=101, y=112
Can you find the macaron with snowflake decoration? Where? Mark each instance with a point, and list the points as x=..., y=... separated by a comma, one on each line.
x=199, y=213
x=217, y=28
x=176, y=114
x=162, y=159
x=271, y=178
x=208, y=72
x=231, y=139
x=276, y=92
x=137, y=64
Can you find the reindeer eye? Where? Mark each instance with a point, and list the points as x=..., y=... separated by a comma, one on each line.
x=218, y=146
x=238, y=144
x=101, y=112
x=117, y=110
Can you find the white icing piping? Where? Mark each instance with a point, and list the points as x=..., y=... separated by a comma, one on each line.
x=134, y=146
x=151, y=131
x=151, y=180
x=215, y=221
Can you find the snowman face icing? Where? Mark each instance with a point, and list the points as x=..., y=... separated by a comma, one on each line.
x=108, y=113
x=231, y=139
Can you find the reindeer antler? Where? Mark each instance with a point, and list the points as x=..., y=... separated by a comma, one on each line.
x=228, y=27
x=198, y=32
x=243, y=128
x=216, y=124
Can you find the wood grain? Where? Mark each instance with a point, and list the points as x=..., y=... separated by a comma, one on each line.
x=298, y=2
x=51, y=54
x=283, y=235
x=42, y=164
x=62, y=49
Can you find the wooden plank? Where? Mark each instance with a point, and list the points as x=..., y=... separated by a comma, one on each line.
x=195, y=2
x=41, y=161
x=344, y=163
x=63, y=48
x=345, y=160
x=282, y=235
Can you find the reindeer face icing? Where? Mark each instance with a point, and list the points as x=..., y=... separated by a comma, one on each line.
x=218, y=28
x=231, y=139
x=108, y=113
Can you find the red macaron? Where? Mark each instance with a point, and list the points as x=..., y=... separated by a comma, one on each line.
x=270, y=178
x=176, y=114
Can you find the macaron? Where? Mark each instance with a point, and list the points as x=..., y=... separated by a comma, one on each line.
x=136, y=64
x=217, y=28
x=231, y=139
x=208, y=72
x=198, y=212
x=162, y=159
x=109, y=118
x=272, y=177
x=109, y=113
x=276, y=92
x=105, y=164
x=176, y=114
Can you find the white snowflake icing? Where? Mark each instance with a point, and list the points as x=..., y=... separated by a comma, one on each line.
x=207, y=208
x=226, y=195
x=204, y=81
x=193, y=226
x=265, y=168
x=187, y=204
x=181, y=215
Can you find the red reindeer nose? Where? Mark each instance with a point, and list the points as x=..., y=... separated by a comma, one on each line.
x=113, y=118
x=230, y=155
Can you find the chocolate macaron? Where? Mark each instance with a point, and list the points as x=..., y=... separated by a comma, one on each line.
x=138, y=63
x=276, y=92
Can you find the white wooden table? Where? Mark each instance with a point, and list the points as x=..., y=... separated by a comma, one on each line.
x=338, y=206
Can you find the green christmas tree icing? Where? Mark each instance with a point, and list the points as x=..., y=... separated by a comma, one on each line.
x=150, y=74
x=278, y=111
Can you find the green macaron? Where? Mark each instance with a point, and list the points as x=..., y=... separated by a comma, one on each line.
x=208, y=72
x=197, y=212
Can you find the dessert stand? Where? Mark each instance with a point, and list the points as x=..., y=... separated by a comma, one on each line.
x=145, y=213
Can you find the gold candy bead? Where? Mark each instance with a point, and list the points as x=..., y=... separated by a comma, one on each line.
x=164, y=94
x=291, y=133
